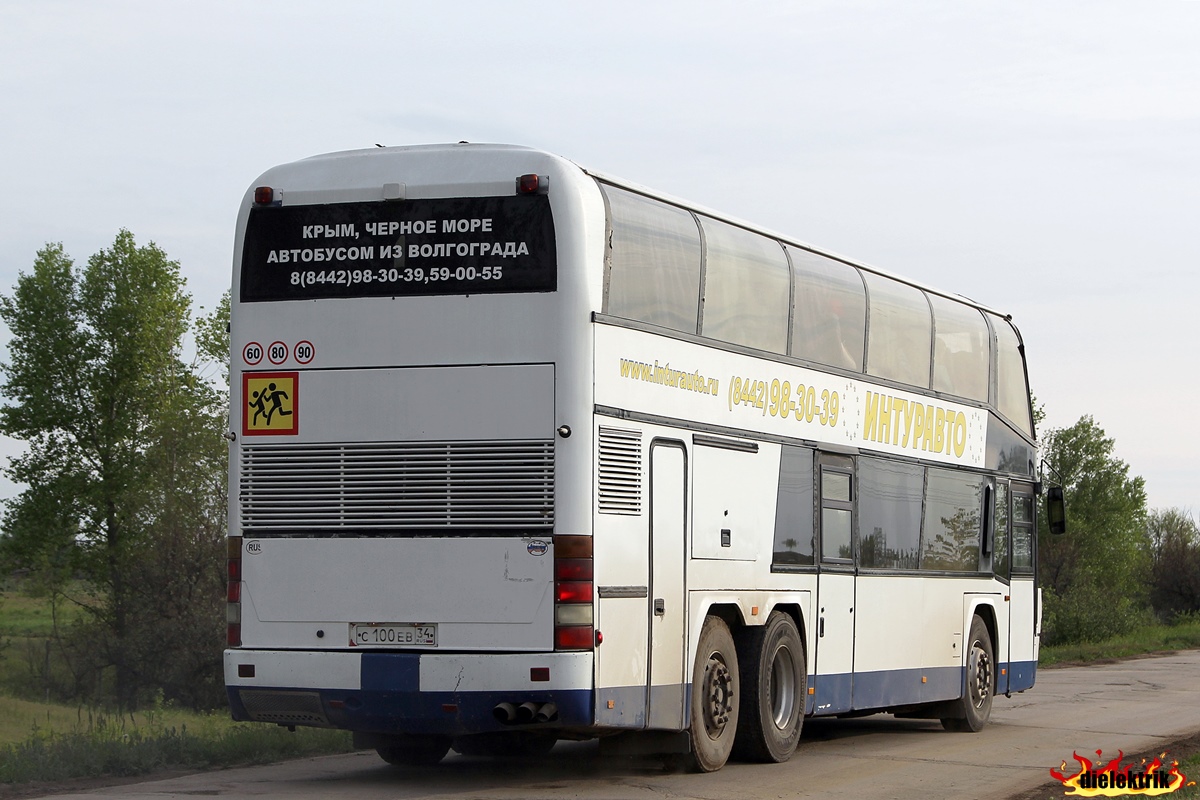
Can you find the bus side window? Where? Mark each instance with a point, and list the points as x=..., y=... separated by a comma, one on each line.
x=962, y=349
x=1000, y=555
x=950, y=536
x=654, y=262
x=794, y=509
x=747, y=288
x=889, y=513
x=1012, y=393
x=829, y=315
x=1022, y=532
x=837, y=509
x=900, y=337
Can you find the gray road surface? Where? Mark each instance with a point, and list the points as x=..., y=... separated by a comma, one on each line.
x=1136, y=706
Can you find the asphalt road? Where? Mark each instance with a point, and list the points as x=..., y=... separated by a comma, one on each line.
x=1135, y=706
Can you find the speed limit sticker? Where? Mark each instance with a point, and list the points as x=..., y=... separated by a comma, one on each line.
x=252, y=353
x=277, y=352
x=304, y=351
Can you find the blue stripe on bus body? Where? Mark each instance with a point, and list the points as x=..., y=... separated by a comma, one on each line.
x=447, y=713
x=390, y=699
x=1020, y=675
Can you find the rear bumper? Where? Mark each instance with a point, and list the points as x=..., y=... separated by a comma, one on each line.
x=394, y=692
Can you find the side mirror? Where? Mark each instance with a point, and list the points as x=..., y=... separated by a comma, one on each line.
x=1056, y=510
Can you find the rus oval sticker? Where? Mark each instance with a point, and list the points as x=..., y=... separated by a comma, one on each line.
x=537, y=547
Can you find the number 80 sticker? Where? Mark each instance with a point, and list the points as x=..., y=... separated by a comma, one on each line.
x=277, y=353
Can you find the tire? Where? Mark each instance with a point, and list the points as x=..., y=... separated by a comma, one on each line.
x=975, y=706
x=506, y=744
x=773, y=689
x=414, y=751
x=714, y=706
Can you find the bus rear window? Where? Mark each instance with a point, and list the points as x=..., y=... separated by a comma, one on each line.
x=468, y=245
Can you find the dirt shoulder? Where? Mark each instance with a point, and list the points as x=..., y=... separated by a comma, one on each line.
x=1177, y=750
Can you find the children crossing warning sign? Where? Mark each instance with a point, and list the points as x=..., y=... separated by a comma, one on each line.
x=270, y=403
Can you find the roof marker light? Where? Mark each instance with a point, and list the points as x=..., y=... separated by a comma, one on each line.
x=533, y=184
x=263, y=195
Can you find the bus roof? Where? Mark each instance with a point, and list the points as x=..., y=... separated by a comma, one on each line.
x=662, y=197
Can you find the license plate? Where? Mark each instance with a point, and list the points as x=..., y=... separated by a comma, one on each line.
x=392, y=634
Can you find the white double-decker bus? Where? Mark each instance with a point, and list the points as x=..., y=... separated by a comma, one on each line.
x=526, y=452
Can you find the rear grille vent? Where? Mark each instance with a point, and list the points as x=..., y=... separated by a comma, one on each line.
x=285, y=708
x=619, y=476
x=412, y=486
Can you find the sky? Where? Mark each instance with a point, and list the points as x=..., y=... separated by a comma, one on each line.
x=1040, y=158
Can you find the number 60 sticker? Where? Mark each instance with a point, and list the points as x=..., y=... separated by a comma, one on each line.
x=252, y=353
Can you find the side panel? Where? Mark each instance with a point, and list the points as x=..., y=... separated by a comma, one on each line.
x=942, y=619
x=888, y=638
x=1023, y=650
x=732, y=503
x=834, y=663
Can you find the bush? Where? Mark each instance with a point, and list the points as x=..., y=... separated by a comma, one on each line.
x=1087, y=613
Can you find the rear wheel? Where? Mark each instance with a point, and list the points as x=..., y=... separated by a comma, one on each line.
x=975, y=706
x=714, y=707
x=413, y=751
x=774, y=683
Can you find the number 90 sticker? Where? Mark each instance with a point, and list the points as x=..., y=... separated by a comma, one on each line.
x=304, y=351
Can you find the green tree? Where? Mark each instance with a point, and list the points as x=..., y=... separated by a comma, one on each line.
x=1095, y=574
x=121, y=441
x=1174, y=542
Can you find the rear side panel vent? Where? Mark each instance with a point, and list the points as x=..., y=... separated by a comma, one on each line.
x=619, y=473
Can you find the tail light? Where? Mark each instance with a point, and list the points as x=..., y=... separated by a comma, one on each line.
x=574, y=623
x=233, y=593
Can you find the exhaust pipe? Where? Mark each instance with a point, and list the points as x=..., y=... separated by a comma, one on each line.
x=546, y=713
x=505, y=713
x=527, y=711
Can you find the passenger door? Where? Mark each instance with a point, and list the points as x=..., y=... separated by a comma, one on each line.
x=667, y=673
x=834, y=663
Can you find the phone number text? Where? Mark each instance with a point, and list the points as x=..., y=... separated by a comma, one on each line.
x=355, y=277
x=780, y=399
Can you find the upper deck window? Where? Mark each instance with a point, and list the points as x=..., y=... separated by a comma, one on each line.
x=655, y=262
x=464, y=245
x=747, y=290
x=900, y=333
x=962, y=351
x=830, y=316
x=1012, y=393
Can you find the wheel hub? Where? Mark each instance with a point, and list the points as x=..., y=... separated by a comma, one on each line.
x=718, y=695
x=981, y=677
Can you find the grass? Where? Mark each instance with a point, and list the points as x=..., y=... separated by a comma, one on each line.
x=1190, y=767
x=42, y=742
x=1145, y=640
x=63, y=743
x=24, y=615
x=19, y=719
